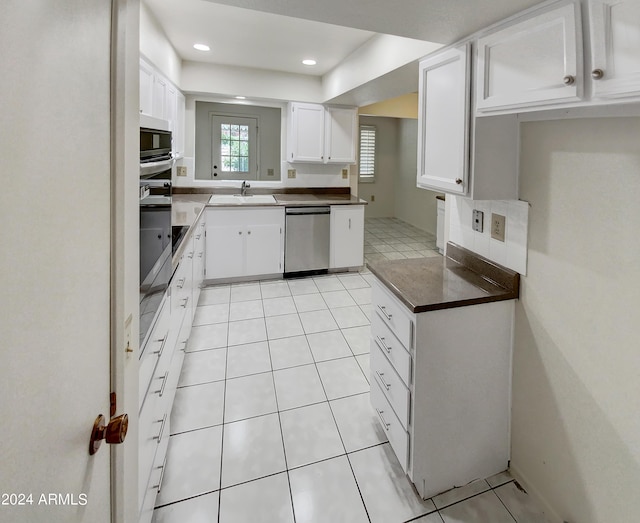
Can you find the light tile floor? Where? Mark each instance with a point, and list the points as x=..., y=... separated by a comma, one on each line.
x=272, y=422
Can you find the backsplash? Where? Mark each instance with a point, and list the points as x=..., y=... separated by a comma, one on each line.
x=511, y=253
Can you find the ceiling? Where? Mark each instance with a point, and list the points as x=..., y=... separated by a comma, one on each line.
x=247, y=38
x=278, y=34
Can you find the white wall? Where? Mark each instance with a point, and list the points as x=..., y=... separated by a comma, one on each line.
x=412, y=205
x=228, y=80
x=155, y=46
x=380, y=55
x=576, y=392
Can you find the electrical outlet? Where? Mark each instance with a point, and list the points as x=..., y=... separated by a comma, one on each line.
x=291, y=173
x=345, y=174
x=373, y=198
x=181, y=170
x=269, y=172
x=498, y=224
x=478, y=221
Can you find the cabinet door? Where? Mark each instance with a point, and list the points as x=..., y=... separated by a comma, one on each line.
x=178, y=129
x=146, y=89
x=306, y=138
x=159, y=98
x=347, y=236
x=615, y=48
x=341, y=126
x=263, y=249
x=534, y=62
x=225, y=251
x=443, y=121
x=171, y=97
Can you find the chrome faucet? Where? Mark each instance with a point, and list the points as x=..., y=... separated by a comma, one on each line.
x=244, y=187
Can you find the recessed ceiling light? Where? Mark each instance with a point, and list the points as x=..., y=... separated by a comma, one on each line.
x=241, y=97
x=309, y=62
x=201, y=47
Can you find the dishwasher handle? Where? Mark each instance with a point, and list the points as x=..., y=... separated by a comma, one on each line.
x=307, y=210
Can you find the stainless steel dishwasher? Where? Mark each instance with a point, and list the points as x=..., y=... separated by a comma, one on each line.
x=306, y=247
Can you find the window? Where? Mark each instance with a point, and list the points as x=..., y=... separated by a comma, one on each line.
x=233, y=147
x=367, y=169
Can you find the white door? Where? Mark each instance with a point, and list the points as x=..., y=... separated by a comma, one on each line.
x=534, y=62
x=234, y=147
x=615, y=47
x=56, y=300
x=443, y=121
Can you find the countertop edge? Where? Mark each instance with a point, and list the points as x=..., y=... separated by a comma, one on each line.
x=504, y=282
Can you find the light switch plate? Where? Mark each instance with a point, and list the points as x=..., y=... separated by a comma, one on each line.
x=478, y=220
x=291, y=173
x=498, y=224
x=345, y=174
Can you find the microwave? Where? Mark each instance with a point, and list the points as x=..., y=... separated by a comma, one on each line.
x=155, y=145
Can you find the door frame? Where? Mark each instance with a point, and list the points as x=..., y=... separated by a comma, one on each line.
x=125, y=245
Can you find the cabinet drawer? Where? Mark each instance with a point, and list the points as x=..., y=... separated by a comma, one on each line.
x=399, y=357
x=396, y=392
x=394, y=314
x=153, y=486
x=152, y=351
x=153, y=433
x=397, y=436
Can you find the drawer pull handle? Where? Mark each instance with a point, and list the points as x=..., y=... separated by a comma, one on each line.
x=181, y=283
x=160, y=392
x=190, y=255
x=198, y=237
x=159, y=351
x=383, y=310
x=383, y=345
x=164, y=422
x=184, y=302
x=163, y=467
x=384, y=423
x=184, y=343
x=384, y=383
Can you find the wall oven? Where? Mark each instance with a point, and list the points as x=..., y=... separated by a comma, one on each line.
x=155, y=223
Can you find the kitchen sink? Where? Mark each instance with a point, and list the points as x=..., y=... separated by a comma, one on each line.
x=238, y=199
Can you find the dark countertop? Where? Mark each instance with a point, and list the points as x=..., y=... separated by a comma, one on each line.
x=459, y=279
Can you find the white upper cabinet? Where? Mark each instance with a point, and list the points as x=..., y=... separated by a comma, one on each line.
x=615, y=48
x=306, y=133
x=319, y=134
x=159, y=98
x=146, y=89
x=533, y=62
x=341, y=130
x=443, y=125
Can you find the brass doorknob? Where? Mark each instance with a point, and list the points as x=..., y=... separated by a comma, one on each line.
x=113, y=433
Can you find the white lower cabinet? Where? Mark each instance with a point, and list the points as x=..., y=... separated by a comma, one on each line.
x=159, y=370
x=244, y=242
x=440, y=384
x=347, y=236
